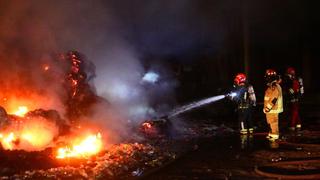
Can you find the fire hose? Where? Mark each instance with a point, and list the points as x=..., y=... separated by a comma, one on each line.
x=272, y=173
x=273, y=170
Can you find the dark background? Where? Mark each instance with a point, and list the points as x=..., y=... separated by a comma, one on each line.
x=204, y=42
x=209, y=42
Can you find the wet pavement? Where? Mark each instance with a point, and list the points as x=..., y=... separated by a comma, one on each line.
x=232, y=156
x=218, y=158
x=238, y=157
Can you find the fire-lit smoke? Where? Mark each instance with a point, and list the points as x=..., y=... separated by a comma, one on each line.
x=33, y=33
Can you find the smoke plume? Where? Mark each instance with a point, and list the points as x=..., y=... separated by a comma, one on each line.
x=33, y=33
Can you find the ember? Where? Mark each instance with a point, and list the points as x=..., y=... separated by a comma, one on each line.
x=91, y=145
x=46, y=67
x=147, y=125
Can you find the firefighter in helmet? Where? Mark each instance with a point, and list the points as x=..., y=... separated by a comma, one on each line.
x=273, y=104
x=293, y=90
x=245, y=99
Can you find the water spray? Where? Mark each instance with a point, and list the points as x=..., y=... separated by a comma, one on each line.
x=200, y=103
x=163, y=123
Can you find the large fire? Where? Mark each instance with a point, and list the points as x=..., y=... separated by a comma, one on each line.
x=33, y=134
x=90, y=145
x=61, y=87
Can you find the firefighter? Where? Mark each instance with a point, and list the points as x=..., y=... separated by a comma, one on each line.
x=293, y=90
x=273, y=104
x=245, y=100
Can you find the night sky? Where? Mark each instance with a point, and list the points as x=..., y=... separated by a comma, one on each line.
x=212, y=38
x=279, y=34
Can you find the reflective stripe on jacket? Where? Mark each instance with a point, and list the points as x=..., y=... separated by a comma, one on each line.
x=272, y=93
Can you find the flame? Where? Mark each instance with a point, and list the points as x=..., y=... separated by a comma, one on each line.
x=32, y=135
x=21, y=111
x=147, y=125
x=89, y=146
x=7, y=140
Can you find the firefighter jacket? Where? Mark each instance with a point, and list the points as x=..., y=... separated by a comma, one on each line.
x=293, y=89
x=246, y=97
x=273, y=102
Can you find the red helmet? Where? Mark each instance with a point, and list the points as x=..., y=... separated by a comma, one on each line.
x=240, y=78
x=291, y=71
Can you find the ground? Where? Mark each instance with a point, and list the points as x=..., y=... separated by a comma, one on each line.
x=232, y=156
x=201, y=146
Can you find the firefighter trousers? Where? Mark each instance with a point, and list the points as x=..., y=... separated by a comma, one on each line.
x=245, y=119
x=273, y=121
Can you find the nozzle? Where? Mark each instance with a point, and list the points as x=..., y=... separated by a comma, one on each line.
x=231, y=95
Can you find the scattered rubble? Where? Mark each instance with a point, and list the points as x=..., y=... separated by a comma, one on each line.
x=119, y=161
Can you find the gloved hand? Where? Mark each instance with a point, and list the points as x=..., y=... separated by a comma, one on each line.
x=267, y=110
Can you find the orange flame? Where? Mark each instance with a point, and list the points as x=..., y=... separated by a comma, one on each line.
x=21, y=111
x=147, y=125
x=89, y=146
x=7, y=140
x=34, y=134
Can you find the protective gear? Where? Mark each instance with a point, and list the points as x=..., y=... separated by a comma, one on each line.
x=246, y=141
x=273, y=102
x=245, y=100
x=273, y=105
x=271, y=76
x=270, y=72
x=240, y=79
x=293, y=90
x=291, y=71
x=273, y=121
x=273, y=137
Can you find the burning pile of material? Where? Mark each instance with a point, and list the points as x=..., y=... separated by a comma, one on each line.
x=36, y=130
x=67, y=143
x=120, y=161
x=83, y=147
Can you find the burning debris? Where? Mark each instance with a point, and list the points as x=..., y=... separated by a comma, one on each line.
x=26, y=127
x=156, y=128
x=80, y=93
x=88, y=146
x=36, y=130
x=119, y=161
x=39, y=129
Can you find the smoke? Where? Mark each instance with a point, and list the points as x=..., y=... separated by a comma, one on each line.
x=32, y=34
